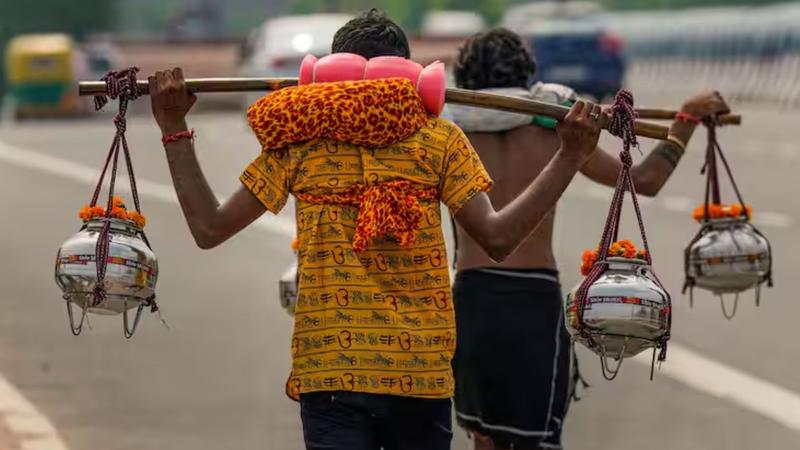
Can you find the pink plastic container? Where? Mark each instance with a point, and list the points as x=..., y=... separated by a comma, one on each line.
x=429, y=80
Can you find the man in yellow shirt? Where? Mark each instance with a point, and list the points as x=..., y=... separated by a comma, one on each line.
x=374, y=330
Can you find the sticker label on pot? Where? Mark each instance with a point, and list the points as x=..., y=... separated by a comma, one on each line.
x=86, y=259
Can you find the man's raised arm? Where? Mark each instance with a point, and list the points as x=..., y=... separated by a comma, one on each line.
x=210, y=222
x=650, y=175
x=500, y=232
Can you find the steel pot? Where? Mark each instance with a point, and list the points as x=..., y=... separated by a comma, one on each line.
x=626, y=311
x=131, y=273
x=728, y=256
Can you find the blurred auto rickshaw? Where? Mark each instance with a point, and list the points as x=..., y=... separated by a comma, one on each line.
x=42, y=70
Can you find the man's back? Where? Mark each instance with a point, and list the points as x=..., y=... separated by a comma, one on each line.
x=373, y=315
x=513, y=159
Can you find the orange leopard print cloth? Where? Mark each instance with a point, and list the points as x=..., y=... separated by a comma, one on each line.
x=372, y=113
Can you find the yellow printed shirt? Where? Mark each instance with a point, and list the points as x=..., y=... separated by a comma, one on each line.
x=379, y=320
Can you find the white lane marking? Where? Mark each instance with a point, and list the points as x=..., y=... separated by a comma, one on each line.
x=29, y=426
x=696, y=371
x=85, y=174
x=679, y=204
x=785, y=151
x=712, y=377
x=772, y=219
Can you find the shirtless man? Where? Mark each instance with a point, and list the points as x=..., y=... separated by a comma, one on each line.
x=512, y=362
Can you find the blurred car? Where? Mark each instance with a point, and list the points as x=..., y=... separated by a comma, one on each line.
x=570, y=48
x=277, y=47
x=102, y=56
x=451, y=24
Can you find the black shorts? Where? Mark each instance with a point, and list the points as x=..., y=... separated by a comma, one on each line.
x=513, y=359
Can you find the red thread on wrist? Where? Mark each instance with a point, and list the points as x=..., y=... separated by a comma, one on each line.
x=179, y=135
x=686, y=117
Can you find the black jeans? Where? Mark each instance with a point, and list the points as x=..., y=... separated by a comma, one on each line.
x=358, y=421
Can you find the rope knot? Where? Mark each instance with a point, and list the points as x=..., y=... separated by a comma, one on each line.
x=622, y=119
x=121, y=123
x=120, y=84
x=625, y=157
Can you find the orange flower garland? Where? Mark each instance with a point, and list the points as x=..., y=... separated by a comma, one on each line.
x=137, y=218
x=716, y=211
x=622, y=249
x=118, y=211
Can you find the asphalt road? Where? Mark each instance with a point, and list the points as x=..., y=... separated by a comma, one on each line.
x=215, y=379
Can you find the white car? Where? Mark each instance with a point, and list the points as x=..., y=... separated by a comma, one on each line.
x=276, y=48
x=451, y=24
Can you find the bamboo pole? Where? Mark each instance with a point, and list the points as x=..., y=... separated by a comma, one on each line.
x=520, y=105
x=202, y=85
x=458, y=96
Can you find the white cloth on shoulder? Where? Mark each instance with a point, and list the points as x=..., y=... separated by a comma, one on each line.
x=473, y=119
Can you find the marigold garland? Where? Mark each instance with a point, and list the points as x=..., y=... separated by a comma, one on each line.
x=717, y=211
x=622, y=249
x=118, y=211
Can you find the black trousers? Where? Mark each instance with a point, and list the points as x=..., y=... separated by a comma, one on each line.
x=359, y=421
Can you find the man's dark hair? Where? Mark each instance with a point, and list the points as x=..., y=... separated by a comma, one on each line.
x=371, y=34
x=495, y=58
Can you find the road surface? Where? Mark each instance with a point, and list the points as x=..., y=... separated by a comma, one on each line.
x=214, y=380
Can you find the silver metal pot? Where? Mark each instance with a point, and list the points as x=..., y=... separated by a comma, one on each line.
x=287, y=289
x=131, y=273
x=626, y=312
x=729, y=256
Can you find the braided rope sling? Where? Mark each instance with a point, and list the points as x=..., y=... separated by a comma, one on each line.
x=122, y=87
x=621, y=125
x=713, y=197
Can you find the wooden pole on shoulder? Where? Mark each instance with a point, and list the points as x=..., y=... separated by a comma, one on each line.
x=457, y=96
